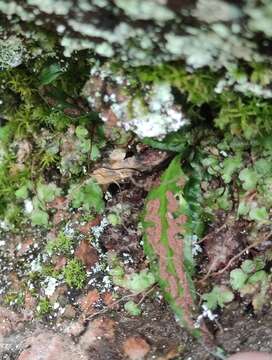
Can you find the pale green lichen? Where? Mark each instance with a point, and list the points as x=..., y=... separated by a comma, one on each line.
x=260, y=17
x=120, y=34
x=58, y=7
x=212, y=11
x=216, y=49
x=145, y=9
x=12, y=8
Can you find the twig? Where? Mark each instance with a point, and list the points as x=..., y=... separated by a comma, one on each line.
x=106, y=309
x=215, y=232
x=146, y=294
x=241, y=253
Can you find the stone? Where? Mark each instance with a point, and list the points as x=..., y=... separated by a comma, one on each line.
x=136, y=348
x=49, y=346
x=9, y=321
x=100, y=328
x=251, y=356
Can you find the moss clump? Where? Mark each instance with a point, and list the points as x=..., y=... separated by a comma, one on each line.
x=248, y=117
x=75, y=274
x=44, y=307
x=61, y=245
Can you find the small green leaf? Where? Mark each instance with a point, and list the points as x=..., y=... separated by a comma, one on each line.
x=237, y=279
x=249, y=178
x=263, y=166
x=258, y=214
x=50, y=73
x=117, y=272
x=95, y=152
x=138, y=282
x=243, y=209
x=39, y=217
x=259, y=263
x=248, y=266
x=176, y=142
x=258, y=276
x=114, y=219
x=230, y=165
x=81, y=132
x=22, y=192
x=47, y=192
x=132, y=308
x=219, y=296
x=88, y=196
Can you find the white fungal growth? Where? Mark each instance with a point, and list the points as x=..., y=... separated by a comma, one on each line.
x=206, y=313
x=145, y=9
x=157, y=118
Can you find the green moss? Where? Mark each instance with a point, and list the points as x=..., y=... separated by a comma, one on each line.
x=248, y=117
x=198, y=85
x=75, y=274
x=63, y=244
x=14, y=299
x=44, y=307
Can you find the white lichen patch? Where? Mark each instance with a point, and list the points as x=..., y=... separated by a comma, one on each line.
x=260, y=16
x=49, y=286
x=156, y=118
x=58, y=7
x=98, y=230
x=11, y=52
x=216, y=10
x=218, y=48
x=242, y=84
x=145, y=10
x=12, y=8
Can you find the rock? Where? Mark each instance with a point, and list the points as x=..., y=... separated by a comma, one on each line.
x=15, y=282
x=87, y=254
x=49, y=346
x=136, y=348
x=9, y=321
x=75, y=328
x=98, y=329
x=251, y=356
x=29, y=305
x=69, y=312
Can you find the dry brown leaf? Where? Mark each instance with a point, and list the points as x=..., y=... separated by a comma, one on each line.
x=119, y=168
